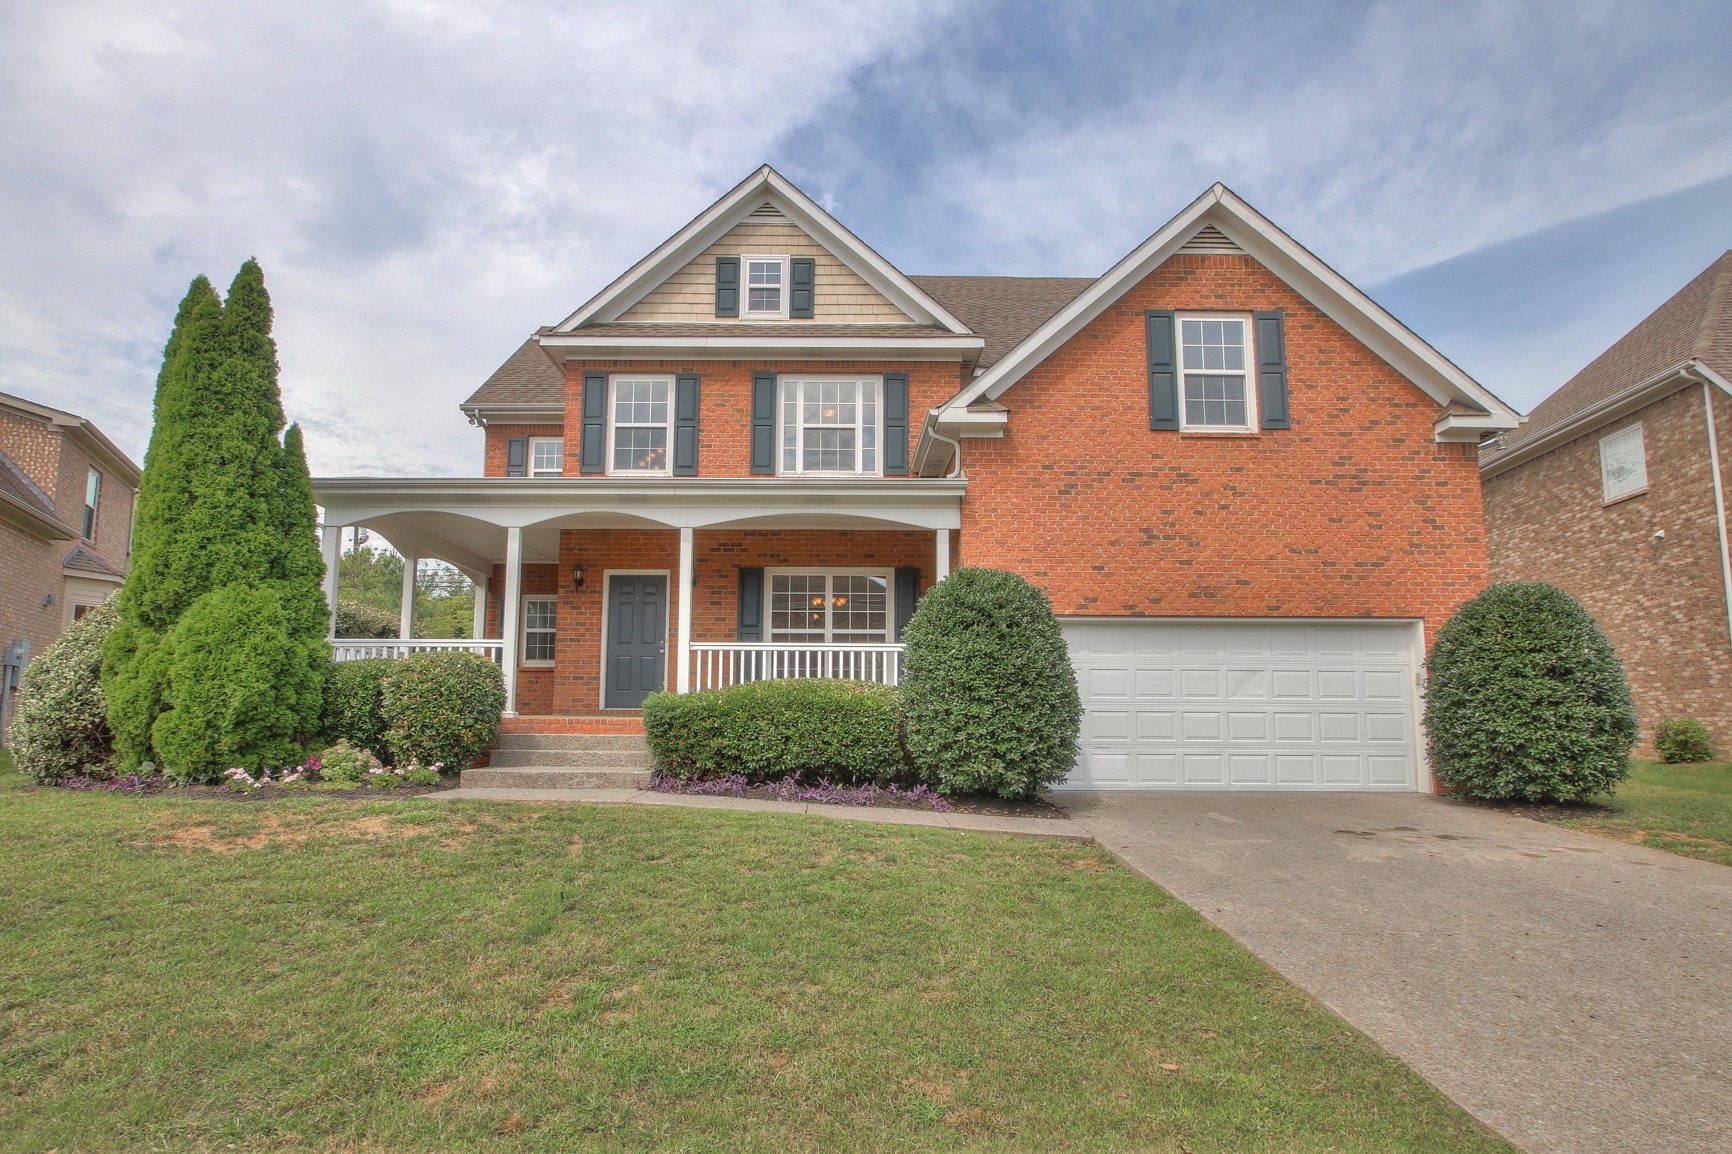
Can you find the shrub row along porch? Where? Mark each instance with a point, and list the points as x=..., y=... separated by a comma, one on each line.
x=579, y=580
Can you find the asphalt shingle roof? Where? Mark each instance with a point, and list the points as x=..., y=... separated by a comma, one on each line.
x=88, y=560
x=1002, y=309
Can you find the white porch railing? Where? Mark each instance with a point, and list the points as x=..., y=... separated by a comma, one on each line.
x=360, y=650
x=716, y=665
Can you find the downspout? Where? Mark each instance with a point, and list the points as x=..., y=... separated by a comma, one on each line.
x=1719, y=501
x=956, y=451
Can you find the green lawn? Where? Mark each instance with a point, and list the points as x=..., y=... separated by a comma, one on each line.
x=416, y=976
x=1686, y=809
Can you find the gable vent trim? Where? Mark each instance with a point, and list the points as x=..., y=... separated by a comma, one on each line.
x=767, y=213
x=1210, y=241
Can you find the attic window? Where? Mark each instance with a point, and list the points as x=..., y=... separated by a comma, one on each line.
x=1217, y=393
x=766, y=286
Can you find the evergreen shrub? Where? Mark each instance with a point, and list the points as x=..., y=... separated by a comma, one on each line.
x=60, y=729
x=769, y=730
x=1526, y=700
x=990, y=702
x=442, y=707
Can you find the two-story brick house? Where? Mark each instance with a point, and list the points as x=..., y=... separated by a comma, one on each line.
x=1250, y=492
x=66, y=494
x=1616, y=491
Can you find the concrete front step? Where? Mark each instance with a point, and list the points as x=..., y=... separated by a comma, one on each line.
x=554, y=777
x=626, y=741
x=638, y=758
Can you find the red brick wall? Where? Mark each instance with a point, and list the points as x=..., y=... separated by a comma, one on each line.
x=494, y=449
x=1353, y=512
x=34, y=446
x=1661, y=602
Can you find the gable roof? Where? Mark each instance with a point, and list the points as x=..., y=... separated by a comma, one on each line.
x=1694, y=325
x=1476, y=409
x=527, y=378
x=24, y=501
x=1003, y=309
x=84, y=559
x=83, y=430
x=765, y=186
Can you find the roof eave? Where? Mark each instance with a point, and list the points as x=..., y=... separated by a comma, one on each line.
x=33, y=521
x=561, y=347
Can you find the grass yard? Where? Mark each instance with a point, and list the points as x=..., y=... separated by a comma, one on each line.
x=1685, y=809
x=418, y=976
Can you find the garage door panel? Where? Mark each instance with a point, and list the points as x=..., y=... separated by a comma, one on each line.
x=1262, y=705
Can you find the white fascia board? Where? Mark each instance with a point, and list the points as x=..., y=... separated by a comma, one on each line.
x=1619, y=404
x=522, y=414
x=1338, y=299
x=561, y=347
x=704, y=230
x=32, y=521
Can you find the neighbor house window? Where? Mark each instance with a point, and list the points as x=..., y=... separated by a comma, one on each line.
x=640, y=424
x=830, y=608
x=830, y=425
x=1214, y=352
x=92, y=494
x=1623, y=464
x=546, y=457
x=766, y=286
x=540, y=615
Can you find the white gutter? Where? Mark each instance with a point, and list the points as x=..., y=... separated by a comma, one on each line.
x=1719, y=501
x=1618, y=404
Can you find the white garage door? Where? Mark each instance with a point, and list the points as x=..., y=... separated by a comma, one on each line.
x=1253, y=706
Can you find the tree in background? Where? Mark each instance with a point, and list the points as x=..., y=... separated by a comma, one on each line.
x=444, y=597
x=222, y=503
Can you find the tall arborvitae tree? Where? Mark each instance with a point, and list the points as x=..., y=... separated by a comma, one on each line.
x=222, y=503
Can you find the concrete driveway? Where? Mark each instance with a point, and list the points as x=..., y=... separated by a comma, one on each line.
x=1573, y=993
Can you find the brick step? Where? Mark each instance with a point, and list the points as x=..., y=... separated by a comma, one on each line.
x=633, y=742
x=638, y=758
x=580, y=723
x=555, y=777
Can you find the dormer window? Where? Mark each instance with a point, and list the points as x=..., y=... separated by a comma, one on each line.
x=766, y=287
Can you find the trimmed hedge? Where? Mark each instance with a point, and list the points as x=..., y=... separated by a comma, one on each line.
x=990, y=698
x=1681, y=740
x=768, y=730
x=61, y=727
x=1526, y=699
x=355, y=702
x=442, y=707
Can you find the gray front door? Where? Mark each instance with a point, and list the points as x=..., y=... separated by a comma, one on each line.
x=637, y=633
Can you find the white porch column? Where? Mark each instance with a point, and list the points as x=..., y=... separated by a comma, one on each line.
x=479, y=629
x=683, y=654
x=508, y=615
x=941, y=566
x=332, y=542
x=406, y=623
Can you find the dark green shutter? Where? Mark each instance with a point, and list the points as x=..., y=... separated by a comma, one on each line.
x=592, y=450
x=895, y=424
x=751, y=619
x=727, y=286
x=802, y=275
x=517, y=457
x=1272, y=371
x=686, y=425
x=764, y=423
x=907, y=597
x=1163, y=371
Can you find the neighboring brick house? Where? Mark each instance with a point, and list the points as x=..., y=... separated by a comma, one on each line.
x=1616, y=490
x=1250, y=492
x=66, y=497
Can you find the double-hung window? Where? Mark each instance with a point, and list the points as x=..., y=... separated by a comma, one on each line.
x=546, y=457
x=830, y=424
x=766, y=287
x=640, y=424
x=838, y=608
x=1214, y=352
x=92, y=495
x=1623, y=464
x=540, y=629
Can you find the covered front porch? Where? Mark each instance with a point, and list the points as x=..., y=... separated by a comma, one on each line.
x=584, y=585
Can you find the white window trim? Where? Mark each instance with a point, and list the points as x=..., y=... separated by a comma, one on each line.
x=1608, y=497
x=523, y=629
x=1252, y=417
x=92, y=510
x=747, y=313
x=612, y=395
x=889, y=576
x=530, y=463
x=877, y=470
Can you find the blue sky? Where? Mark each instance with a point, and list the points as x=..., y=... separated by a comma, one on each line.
x=425, y=182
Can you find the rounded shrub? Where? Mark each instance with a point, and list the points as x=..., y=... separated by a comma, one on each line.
x=61, y=727
x=1526, y=700
x=1683, y=740
x=243, y=692
x=768, y=730
x=990, y=700
x=442, y=707
x=366, y=622
x=355, y=702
